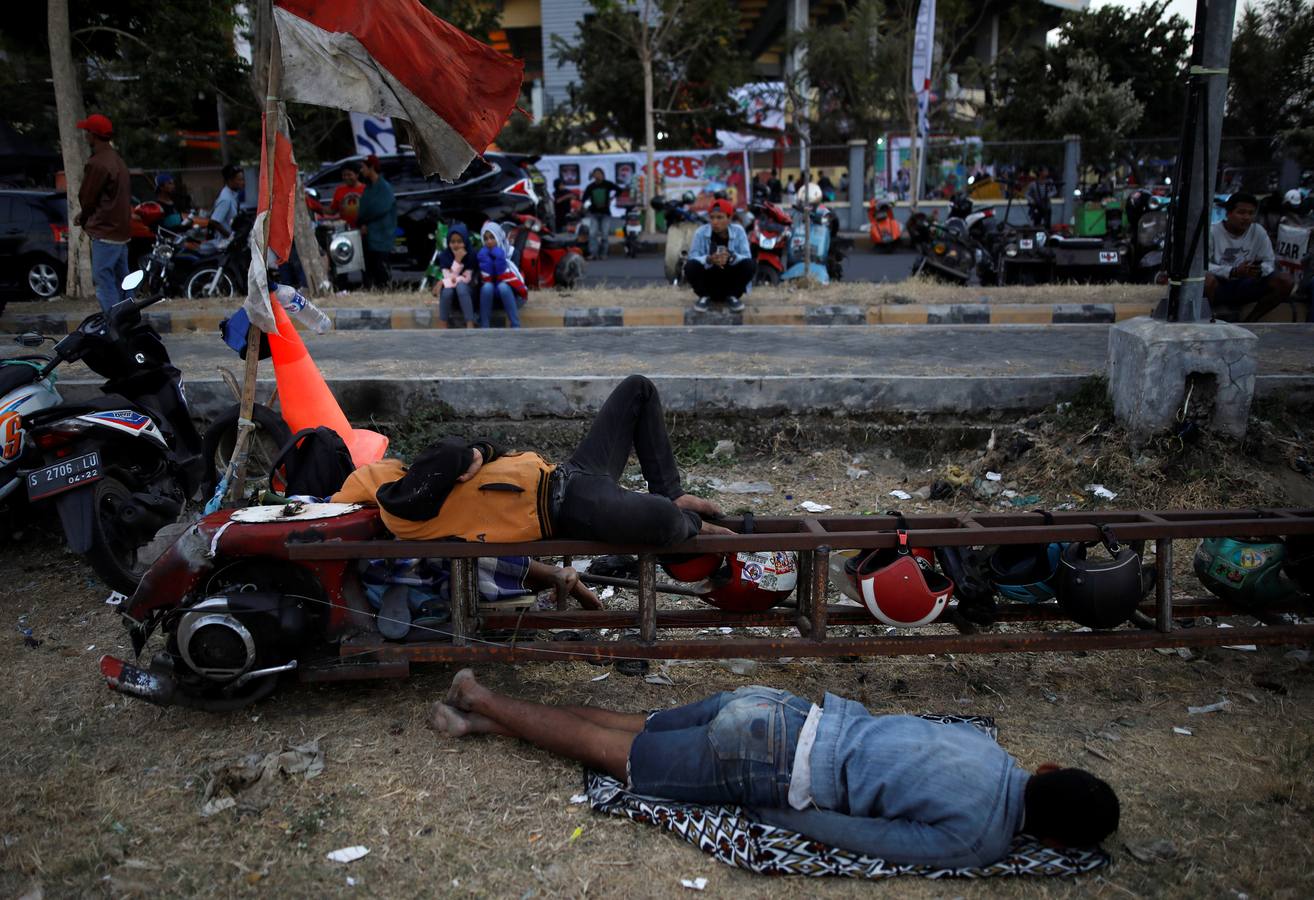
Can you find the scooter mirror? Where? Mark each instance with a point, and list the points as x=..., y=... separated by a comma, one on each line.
x=29, y=339
x=133, y=280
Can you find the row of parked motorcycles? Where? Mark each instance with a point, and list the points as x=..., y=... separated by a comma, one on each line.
x=188, y=261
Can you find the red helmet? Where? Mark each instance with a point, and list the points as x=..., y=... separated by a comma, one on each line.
x=752, y=581
x=149, y=212
x=690, y=566
x=900, y=587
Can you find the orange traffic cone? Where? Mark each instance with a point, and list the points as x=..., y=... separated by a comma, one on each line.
x=306, y=400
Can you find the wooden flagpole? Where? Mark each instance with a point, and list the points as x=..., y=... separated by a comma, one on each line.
x=245, y=424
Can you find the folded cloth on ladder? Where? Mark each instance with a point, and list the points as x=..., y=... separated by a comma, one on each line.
x=732, y=836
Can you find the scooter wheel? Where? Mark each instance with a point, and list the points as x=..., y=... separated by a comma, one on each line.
x=269, y=438
x=203, y=285
x=766, y=275
x=112, y=554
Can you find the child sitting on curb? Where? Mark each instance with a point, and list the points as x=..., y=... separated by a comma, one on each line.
x=458, y=278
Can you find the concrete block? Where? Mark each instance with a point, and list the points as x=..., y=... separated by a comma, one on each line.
x=362, y=319
x=1153, y=364
x=58, y=323
x=834, y=315
x=594, y=317
x=958, y=314
x=718, y=314
x=1083, y=313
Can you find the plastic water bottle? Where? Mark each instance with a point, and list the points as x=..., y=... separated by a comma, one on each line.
x=301, y=309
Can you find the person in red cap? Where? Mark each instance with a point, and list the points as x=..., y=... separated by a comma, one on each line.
x=105, y=213
x=720, y=265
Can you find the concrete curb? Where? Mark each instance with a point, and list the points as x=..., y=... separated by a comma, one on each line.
x=177, y=321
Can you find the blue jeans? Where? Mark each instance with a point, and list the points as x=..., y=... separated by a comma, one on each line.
x=730, y=748
x=109, y=266
x=508, y=297
x=459, y=294
x=599, y=235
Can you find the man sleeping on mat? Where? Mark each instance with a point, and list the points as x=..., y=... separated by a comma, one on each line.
x=900, y=788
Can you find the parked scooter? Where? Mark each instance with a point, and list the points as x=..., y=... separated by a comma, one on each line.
x=768, y=239
x=1147, y=227
x=546, y=260
x=813, y=223
x=885, y=231
x=633, y=229
x=181, y=264
x=944, y=253
x=120, y=467
x=681, y=223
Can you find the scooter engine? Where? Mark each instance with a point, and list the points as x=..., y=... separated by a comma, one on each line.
x=223, y=638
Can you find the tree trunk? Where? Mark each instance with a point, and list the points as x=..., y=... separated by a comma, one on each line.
x=317, y=280
x=69, y=110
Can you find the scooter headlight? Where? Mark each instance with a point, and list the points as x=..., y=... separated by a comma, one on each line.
x=1010, y=250
x=341, y=250
x=939, y=249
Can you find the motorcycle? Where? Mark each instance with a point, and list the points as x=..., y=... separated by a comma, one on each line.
x=118, y=468
x=633, y=229
x=1099, y=251
x=827, y=259
x=182, y=263
x=681, y=223
x=768, y=239
x=885, y=230
x=1147, y=226
x=546, y=260
x=943, y=252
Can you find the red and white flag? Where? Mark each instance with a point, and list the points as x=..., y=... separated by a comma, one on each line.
x=278, y=207
x=395, y=58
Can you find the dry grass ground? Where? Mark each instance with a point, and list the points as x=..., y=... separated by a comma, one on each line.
x=100, y=795
x=917, y=290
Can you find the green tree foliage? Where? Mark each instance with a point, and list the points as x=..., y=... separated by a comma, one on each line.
x=1271, y=79
x=695, y=65
x=1141, y=54
x=1092, y=105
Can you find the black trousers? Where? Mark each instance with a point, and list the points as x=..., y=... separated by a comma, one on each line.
x=378, y=272
x=594, y=506
x=719, y=282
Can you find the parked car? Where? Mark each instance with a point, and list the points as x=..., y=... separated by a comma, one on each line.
x=498, y=186
x=33, y=243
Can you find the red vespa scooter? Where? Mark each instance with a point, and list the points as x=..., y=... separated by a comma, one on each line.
x=545, y=259
x=769, y=241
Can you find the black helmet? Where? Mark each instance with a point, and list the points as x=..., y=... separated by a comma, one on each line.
x=961, y=207
x=1300, y=562
x=1099, y=593
x=688, y=197
x=966, y=568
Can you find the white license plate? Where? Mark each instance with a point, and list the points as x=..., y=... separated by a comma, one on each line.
x=1108, y=256
x=1026, y=243
x=63, y=476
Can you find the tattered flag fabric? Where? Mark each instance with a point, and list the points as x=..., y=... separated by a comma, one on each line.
x=395, y=58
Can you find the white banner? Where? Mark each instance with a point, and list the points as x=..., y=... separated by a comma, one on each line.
x=923, y=60
x=373, y=134
x=702, y=171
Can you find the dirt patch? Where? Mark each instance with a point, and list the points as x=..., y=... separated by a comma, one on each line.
x=102, y=795
x=854, y=293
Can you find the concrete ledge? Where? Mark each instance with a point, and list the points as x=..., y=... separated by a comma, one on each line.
x=180, y=320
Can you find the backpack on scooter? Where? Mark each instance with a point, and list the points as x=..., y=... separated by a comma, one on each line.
x=314, y=463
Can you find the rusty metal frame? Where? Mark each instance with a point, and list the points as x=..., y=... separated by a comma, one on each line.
x=812, y=617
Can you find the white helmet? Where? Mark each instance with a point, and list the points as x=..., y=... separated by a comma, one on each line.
x=1293, y=198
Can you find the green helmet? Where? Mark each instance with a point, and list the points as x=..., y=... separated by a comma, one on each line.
x=1243, y=571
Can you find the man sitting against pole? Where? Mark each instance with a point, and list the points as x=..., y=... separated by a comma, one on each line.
x=900, y=788
x=1242, y=267
x=720, y=264
x=476, y=491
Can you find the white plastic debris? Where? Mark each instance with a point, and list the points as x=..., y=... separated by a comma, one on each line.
x=694, y=884
x=216, y=806
x=855, y=473
x=1244, y=648
x=115, y=599
x=1177, y=729
x=579, y=798
x=1101, y=491
x=900, y=495
x=740, y=487
x=348, y=854
x=722, y=448
x=812, y=507
x=1212, y=707
x=658, y=678
x=607, y=592
x=603, y=677
x=994, y=476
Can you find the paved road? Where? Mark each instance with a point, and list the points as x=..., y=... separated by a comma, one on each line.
x=565, y=371
x=648, y=268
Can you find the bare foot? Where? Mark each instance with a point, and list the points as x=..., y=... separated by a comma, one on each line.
x=699, y=505
x=448, y=720
x=464, y=687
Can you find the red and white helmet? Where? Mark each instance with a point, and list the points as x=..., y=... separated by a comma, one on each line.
x=690, y=567
x=900, y=586
x=752, y=581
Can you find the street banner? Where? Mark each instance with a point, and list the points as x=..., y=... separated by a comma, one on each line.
x=373, y=134
x=704, y=172
x=923, y=60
